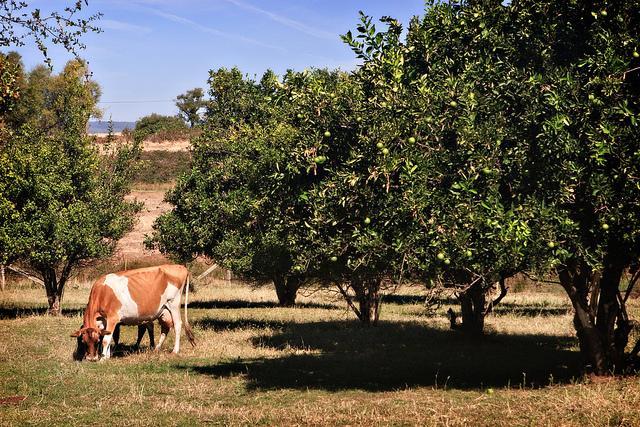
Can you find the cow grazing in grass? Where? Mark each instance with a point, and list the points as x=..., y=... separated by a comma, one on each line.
x=134, y=297
x=165, y=322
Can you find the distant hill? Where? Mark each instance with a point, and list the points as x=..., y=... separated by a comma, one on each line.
x=103, y=126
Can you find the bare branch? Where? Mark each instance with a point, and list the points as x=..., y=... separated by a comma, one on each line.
x=26, y=274
x=503, y=293
x=632, y=283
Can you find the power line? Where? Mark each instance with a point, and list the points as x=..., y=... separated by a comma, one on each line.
x=137, y=102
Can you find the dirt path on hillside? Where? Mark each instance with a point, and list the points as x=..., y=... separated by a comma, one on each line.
x=131, y=246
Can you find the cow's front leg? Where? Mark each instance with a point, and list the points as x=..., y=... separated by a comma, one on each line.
x=107, y=336
x=152, y=341
x=106, y=346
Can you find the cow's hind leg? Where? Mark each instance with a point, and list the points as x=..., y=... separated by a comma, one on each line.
x=165, y=326
x=174, y=309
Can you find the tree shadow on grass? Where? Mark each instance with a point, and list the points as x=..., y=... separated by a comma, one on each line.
x=418, y=300
x=12, y=312
x=518, y=309
x=231, y=304
x=397, y=355
x=209, y=323
x=530, y=310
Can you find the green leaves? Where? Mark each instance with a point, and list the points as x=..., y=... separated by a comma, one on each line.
x=484, y=134
x=61, y=203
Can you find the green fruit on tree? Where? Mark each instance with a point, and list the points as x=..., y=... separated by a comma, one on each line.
x=487, y=171
x=320, y=159
x=605, y=226
x=412, y=140
x=453, y=103
x=468, y=253
x=334, y=258
x=551, y=245
x=299, y=116
x=385, y=151
x=636, y=54
x=327, y=134
x=358, y=119
x=367, y=220
x=603, y=12
x=447, y=261
x=380, y=145
x=440, y=256
x=383, y=104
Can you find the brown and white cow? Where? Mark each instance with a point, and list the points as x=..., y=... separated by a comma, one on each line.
x=134, y=297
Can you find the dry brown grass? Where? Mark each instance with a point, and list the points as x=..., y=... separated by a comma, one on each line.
x=257, y=363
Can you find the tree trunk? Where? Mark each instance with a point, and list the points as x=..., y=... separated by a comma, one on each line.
x=368, y=297
x=54, y=298
x=601, y=327
x=54, y=292
x=609, y=315
x=576, y=282
x=2, y=278
x=472, y=303
x=286, y=290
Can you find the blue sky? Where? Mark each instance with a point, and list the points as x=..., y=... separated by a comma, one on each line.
x=153, y=50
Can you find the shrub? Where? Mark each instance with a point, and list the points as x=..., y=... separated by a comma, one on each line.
x=159, y=127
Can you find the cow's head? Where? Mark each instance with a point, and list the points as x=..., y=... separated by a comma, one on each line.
x=89, y=343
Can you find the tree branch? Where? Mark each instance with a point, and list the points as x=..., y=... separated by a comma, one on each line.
x=535, y=279
x=632, y=282
x=349, y=301
x=26, y=274
x=503, y=293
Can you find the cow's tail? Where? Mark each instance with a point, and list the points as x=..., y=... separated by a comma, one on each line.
x=187, y=326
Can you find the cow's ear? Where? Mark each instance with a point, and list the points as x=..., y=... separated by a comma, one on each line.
x=104, y=332
x=76, y=334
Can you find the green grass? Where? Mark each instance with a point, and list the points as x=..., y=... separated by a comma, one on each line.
x=257, y=363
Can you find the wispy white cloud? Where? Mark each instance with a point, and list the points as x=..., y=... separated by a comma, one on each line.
x=203, y=28
x=111, y=24
x=288, y=22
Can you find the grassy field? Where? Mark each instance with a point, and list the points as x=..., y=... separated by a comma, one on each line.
x=256, y=363
x=158, y=166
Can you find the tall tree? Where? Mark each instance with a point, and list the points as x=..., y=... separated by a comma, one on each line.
x=61, y=204
x=528, y=118
x=44, y=95
x=584, y=166
x=224, y=206
x=189, y=105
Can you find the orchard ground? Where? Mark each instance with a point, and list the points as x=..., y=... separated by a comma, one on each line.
x=257, y=363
